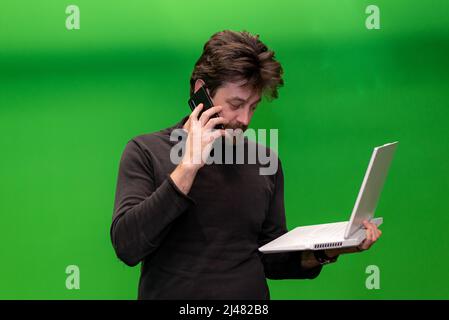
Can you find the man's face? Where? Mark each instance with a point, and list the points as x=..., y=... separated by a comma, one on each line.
x=239, y=104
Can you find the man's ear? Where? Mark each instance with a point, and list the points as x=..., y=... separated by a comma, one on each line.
x=198, y=84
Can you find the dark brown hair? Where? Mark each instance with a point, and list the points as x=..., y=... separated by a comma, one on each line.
x=230, y=56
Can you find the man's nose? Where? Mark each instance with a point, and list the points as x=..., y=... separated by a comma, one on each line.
x=244, y=118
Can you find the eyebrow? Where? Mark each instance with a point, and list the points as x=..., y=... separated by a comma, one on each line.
x=242, y=100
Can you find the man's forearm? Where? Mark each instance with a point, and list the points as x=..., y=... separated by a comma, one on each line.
x=308, y=260
x=183, y=176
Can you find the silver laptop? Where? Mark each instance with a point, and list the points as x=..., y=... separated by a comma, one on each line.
x=347, y=233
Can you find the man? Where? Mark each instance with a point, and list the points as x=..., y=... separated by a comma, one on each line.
x=197, y=228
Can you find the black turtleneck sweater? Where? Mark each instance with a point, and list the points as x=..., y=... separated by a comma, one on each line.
x=203, y=245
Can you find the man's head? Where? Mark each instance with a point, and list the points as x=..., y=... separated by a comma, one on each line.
x=237, y=69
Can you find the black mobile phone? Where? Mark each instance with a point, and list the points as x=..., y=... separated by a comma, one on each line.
x=201, y=96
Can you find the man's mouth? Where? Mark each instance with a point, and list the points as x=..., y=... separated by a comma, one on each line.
x=237, y=128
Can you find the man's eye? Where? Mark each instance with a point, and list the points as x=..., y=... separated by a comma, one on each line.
x=234, y=106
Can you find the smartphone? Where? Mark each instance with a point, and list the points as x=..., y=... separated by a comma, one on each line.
x=201, y=96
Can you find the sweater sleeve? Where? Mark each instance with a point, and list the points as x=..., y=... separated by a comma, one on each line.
x=285, y=265
x=143, y=212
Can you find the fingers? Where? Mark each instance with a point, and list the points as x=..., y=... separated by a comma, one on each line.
x=378, y=232
x=369, y=228
x=219, y=133
x=372, y=235
x=215, y=135
x=369, y=235
x=204, y=118
x=209, y=139
x=211, y=135
x=196, y=112
x=375, y=231
x=368, y=240
x=214, y=121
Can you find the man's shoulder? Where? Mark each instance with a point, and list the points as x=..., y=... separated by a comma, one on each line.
x=155, y=139
x=152, y=138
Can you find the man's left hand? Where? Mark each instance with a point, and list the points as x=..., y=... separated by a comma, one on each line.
x=372, y=235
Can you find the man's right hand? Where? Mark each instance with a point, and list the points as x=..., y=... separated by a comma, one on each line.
x=200, y=137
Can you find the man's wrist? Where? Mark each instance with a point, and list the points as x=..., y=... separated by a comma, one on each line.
x=323, y=258
x=188, y=168
x=332, y=253
x=183, y=177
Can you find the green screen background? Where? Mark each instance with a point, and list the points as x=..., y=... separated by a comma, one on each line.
x=70, y=100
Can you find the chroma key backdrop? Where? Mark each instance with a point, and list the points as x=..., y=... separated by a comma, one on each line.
x=79, y=79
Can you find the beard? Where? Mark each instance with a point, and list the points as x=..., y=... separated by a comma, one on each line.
x=236, y=133
x=236, y=127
